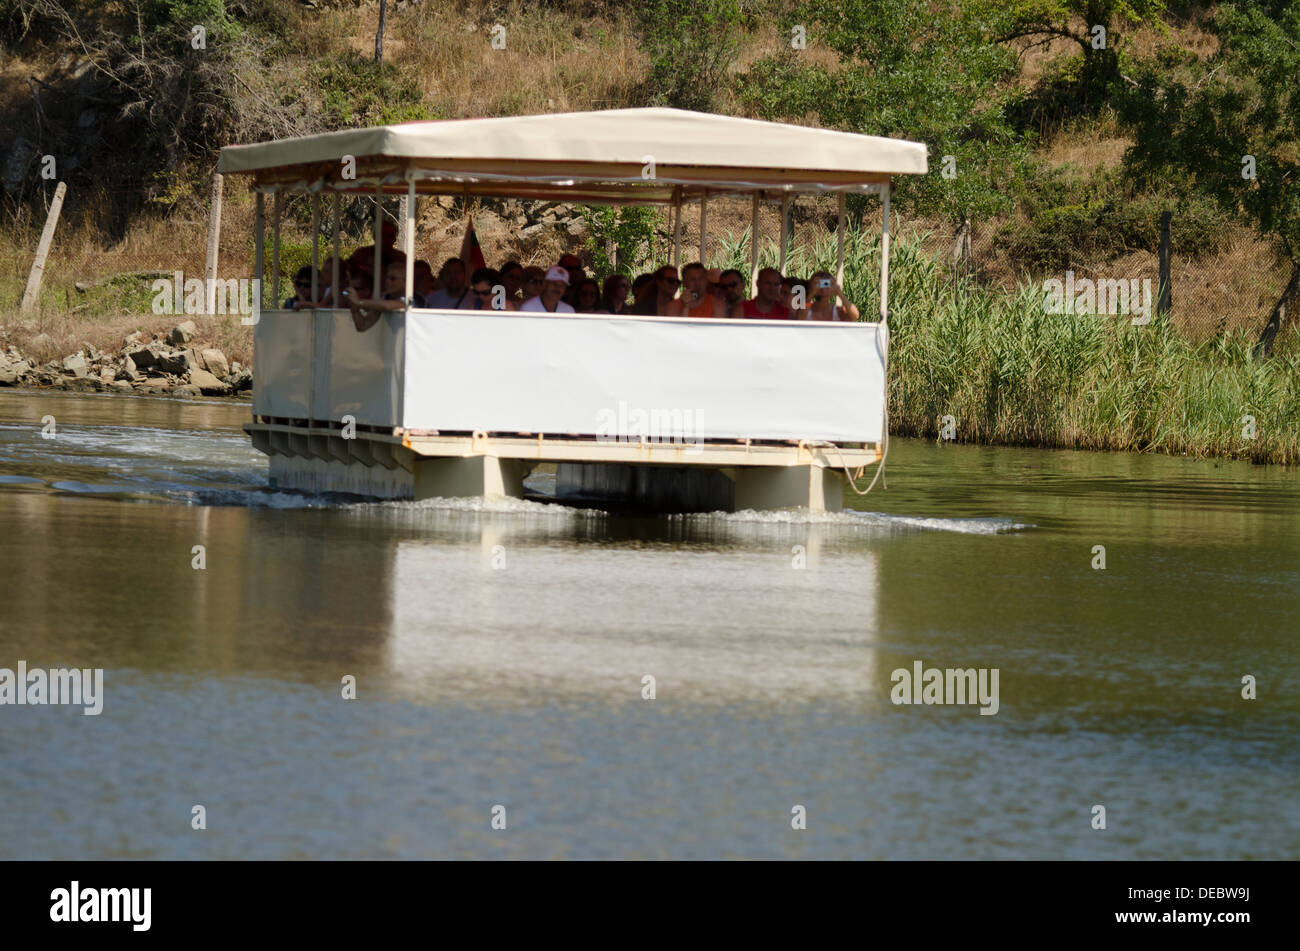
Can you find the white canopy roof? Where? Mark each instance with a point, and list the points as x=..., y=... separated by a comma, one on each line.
x=621, y=155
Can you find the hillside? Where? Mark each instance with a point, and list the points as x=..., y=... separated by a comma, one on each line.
x=1066, y=160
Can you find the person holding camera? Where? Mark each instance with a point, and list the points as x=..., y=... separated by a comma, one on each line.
x=823, y=293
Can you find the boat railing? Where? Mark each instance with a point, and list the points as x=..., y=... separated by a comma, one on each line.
x=600, y=376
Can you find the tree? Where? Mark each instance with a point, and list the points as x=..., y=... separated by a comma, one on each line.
x=1231, y=129
x=628, y=230
x=923, y=71
x=1086, y=23
x=160, y=72
x=379, y=33
x=691, y=45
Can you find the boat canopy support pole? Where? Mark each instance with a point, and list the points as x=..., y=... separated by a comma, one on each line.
x=785, y=229
x=704, y=228
x=315, y=247
x=275, y=251
x=677, y=228
x=753, y=249
x=409, y=226
x=259, y=251
x=884, y=257
x=334, y=265
x=839, y=241
x=379, y=240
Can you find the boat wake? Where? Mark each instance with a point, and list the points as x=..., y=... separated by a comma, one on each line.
x=479, y=504
x=876, y=520
x=220, y=468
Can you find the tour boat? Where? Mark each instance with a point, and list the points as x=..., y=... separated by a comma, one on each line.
x=752, y=414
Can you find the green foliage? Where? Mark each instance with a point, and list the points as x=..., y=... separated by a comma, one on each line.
x=691, y=45
x=1015, y=374
x=1060, y=94
x=293, y=256
x=927, y=72
x=124, y=294
x=274, y=17
x=631, y=229
x=357, y=91
x=170, y=21
x=1078, y=85
x=1065, y=222
x=1242, y=103
x=158, y=104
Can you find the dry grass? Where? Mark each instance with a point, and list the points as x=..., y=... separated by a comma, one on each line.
x=1234, y=289
x=69, y=334
x=556, y=61
x=1086, y=147
x=1188, y=34
x=552, y=61
x=1036, y=56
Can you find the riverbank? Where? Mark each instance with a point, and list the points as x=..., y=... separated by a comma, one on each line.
x=968, y=363
x=175, y=363
x=980, y=364
x=991, y=367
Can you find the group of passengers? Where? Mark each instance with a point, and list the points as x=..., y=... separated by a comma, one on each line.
x=566, y=289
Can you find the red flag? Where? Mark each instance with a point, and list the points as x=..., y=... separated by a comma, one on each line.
x=470, y=251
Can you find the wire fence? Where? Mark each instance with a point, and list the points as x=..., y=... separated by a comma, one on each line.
x=1233, y=288
x=89, y=273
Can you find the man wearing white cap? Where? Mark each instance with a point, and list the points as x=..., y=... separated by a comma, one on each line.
x=553, y=287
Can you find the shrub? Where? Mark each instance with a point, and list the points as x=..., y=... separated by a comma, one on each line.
x=356, y=91
x=691, y=45
x=631, y=229
x=1064, y=223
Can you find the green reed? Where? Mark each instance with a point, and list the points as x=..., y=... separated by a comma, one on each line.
x=1010, y=373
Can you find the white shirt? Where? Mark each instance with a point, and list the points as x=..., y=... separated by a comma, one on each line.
x=807, y=313
x=535, y=304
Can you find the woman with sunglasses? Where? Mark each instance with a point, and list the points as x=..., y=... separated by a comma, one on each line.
x=301, y=299
x=657, y=302
x=488, y=291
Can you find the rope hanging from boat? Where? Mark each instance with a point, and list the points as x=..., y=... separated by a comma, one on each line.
x=882, y=343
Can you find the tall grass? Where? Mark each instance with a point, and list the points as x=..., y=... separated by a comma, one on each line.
x=1010, y=373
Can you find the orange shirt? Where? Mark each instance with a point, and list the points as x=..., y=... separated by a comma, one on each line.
x=703, y=309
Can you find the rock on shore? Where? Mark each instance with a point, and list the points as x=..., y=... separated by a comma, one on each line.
x=158, y=364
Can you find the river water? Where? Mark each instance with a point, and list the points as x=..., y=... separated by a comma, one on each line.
x=500, y=653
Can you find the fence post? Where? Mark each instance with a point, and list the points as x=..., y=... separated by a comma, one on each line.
x=1164, y=301
x=960, y=256
x=214, y=243
x=1278, y=318
x=965, y=247
x=33, y=291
